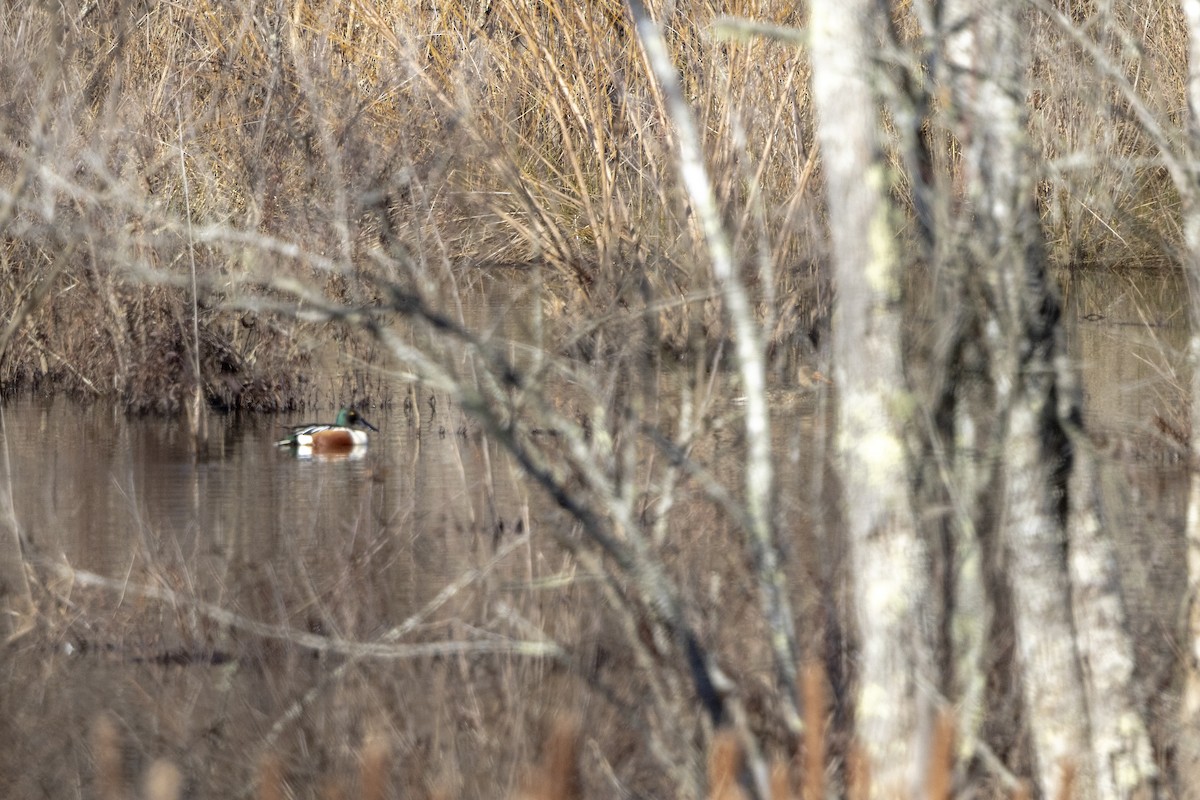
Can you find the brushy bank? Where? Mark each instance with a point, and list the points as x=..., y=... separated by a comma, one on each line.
x=349, y=148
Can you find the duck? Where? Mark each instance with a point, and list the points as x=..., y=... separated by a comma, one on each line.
x=340, y=435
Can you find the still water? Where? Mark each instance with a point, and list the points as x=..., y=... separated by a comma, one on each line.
x=342, y=548
x=348, y=548
x=97, y=487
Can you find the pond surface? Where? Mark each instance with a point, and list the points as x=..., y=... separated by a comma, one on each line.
x=348, y=548
x=100, y=488
x=1127, y=332
x=341, y=549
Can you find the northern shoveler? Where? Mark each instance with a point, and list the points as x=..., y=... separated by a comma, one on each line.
x=341, y=435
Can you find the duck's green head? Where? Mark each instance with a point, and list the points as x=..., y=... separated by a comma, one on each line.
x=348, y=418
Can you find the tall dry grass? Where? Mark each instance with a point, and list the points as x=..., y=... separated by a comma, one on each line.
x=353, y=146
x=1106, y=198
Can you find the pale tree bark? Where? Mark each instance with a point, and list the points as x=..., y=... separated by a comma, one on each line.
x=889, y=559
x=946, y=365
x=1124, y=762
x=1121, y=757
x=1000, y=303
x=1189, y=741
x=1025, y=354
x=17, y=613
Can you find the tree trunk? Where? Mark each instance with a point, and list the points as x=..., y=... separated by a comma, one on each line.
x=17, y=613
x=889, y=559
x=1188, y=778
x=1025, y=353
x=1120, y=743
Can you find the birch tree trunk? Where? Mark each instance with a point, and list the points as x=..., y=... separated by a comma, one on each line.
x=1120, y=742
x=1188, y=768
x=1025, y=351
x=16, y=601
x=889, y=559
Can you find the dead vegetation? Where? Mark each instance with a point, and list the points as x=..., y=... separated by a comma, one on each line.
x=350, y=148
x=340, y=173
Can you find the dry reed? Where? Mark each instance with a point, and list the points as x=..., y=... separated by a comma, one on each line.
x=815, y=736
x=106, y=751
x=858, y=774
x=270, y=778
x=376, y=758
x=939, y=780
x=1066, y=789
x=781, y=782
x=163, y=781
x=725, y=767
x=556, y=776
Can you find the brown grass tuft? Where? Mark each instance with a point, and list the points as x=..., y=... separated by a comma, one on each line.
x=270, y=778
x=858, y=770
x=815, y=703
x=557, y=775
x=1066, y=790
x=331, y=789
x=940, y=776
x=724, y=766
x=376, y=759
x=106, y=751
x=163, y=781
x=781, y=782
